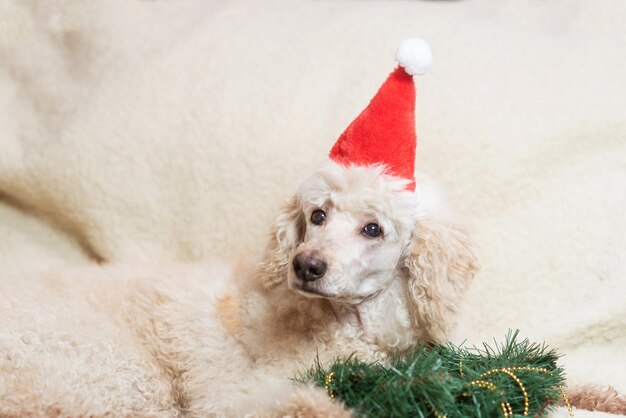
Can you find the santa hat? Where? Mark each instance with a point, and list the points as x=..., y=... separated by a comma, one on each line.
x=384, y=133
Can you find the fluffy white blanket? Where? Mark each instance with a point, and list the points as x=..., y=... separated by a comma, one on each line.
x=164, y=130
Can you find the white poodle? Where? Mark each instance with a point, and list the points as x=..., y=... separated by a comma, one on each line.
x=355, y=263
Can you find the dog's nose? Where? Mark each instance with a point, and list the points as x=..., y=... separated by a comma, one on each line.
x=308, y=268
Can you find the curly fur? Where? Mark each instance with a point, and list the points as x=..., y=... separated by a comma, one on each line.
x=439, y=263
x=213, y=340
x=597, y=398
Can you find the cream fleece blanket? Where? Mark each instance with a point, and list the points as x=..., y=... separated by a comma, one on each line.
x=164, y=130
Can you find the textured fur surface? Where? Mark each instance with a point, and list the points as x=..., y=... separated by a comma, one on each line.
x=215, y=340
x=598, y=398
x=154, y=130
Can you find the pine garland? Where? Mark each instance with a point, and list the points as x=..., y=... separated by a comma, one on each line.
x=513, y=379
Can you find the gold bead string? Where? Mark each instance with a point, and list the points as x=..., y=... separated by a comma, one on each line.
x=566, y=401
x=327, y=381
x=512, y=375
x=506, y=407
x=507, y=411
x=546, y=371
x=483, y=384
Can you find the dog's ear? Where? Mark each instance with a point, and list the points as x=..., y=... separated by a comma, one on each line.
x=287, y=232
x=440, y=264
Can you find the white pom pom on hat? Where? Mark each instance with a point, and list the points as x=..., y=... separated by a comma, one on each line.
x=415, y=56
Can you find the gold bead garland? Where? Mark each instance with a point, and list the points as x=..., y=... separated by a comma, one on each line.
x=483, y=384
x=567, y=404
x=512, y=375
x=506, y=407
x=329, y=378
x=507, y=411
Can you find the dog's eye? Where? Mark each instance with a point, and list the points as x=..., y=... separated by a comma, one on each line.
x=372, y=230
x=318, y=216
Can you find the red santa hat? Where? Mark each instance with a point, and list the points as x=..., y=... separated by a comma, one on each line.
x=384, y=133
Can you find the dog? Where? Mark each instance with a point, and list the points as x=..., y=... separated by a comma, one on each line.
x=356, y=263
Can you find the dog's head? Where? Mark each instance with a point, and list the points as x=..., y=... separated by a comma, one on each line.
x=354, y=225
x=350, y=232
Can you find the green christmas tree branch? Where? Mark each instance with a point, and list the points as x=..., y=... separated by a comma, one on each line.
x=512, y=379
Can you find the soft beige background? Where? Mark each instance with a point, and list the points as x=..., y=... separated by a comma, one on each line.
x=170, y=130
